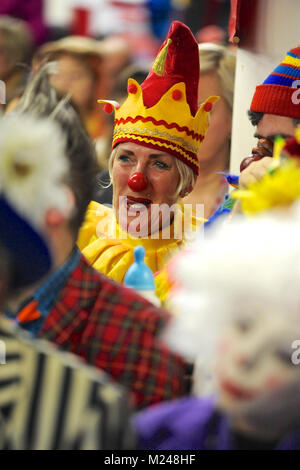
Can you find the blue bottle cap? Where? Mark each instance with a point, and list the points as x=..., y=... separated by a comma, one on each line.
x=139, y=276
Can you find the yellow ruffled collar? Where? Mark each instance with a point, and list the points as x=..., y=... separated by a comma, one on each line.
x=178, y=231
x=110, y=249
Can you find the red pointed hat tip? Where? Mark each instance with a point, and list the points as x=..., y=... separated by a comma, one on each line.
x=132, y=88
x=137, y=182
x=108, y=108
x=177, y=95
x=208, y=106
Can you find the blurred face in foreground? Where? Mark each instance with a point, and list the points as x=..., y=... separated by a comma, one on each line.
x=138, y=210
x=258, y=376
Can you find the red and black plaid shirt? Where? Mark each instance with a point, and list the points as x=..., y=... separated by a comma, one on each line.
x=116, y=330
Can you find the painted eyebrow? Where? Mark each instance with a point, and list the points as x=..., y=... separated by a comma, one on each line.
x=157, y=155
x=153, y=155
x=129, y=152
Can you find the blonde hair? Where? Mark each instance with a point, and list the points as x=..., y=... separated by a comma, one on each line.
x=218, y=59
x=187, y=176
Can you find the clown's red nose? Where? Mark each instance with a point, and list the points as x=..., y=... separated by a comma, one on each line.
x=137, y=182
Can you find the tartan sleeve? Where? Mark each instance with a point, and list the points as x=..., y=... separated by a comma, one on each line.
x=124, y=341
x=113, y=328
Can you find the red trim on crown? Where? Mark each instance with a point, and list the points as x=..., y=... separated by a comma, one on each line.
x=132, y=88
x=208, y=106
x=176, y=154
x=108, y=108
x=161, y=122
x=177, y=95
x=167, y=142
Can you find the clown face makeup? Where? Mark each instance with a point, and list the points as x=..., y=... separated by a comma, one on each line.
x=138, y=209
x=258, y=384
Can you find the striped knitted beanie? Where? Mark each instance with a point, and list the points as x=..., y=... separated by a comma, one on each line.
x=278, y=93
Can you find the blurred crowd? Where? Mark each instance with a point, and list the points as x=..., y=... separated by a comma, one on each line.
x=98, y=47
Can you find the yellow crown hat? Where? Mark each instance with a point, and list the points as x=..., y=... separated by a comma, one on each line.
x=163, y=112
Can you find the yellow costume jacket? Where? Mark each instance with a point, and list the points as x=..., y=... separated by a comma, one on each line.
x=109, y=248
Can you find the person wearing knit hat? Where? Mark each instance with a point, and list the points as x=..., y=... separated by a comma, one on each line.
x=158, y=132
x=275, y=95
x=275, y=110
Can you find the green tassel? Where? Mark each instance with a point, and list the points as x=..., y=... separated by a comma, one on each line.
x=159, y=64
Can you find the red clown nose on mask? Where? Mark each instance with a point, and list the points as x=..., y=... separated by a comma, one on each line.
x=137, y=182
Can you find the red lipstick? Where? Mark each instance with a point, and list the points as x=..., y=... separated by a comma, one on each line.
x=237, y=392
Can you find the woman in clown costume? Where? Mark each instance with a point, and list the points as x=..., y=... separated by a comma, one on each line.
x=158, y=132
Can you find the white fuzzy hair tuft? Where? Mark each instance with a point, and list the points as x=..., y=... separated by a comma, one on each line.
x=33, y=166
x=246, y=267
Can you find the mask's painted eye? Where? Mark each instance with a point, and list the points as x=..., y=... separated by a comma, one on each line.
x=243, y=324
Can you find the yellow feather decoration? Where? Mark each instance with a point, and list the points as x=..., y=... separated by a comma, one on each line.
x=277, y=189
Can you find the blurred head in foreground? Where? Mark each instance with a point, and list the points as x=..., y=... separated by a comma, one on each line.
x=238, y=309
x=31, y=187
x=33, y=192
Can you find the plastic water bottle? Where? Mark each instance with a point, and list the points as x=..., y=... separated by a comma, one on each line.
x=139, y=277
